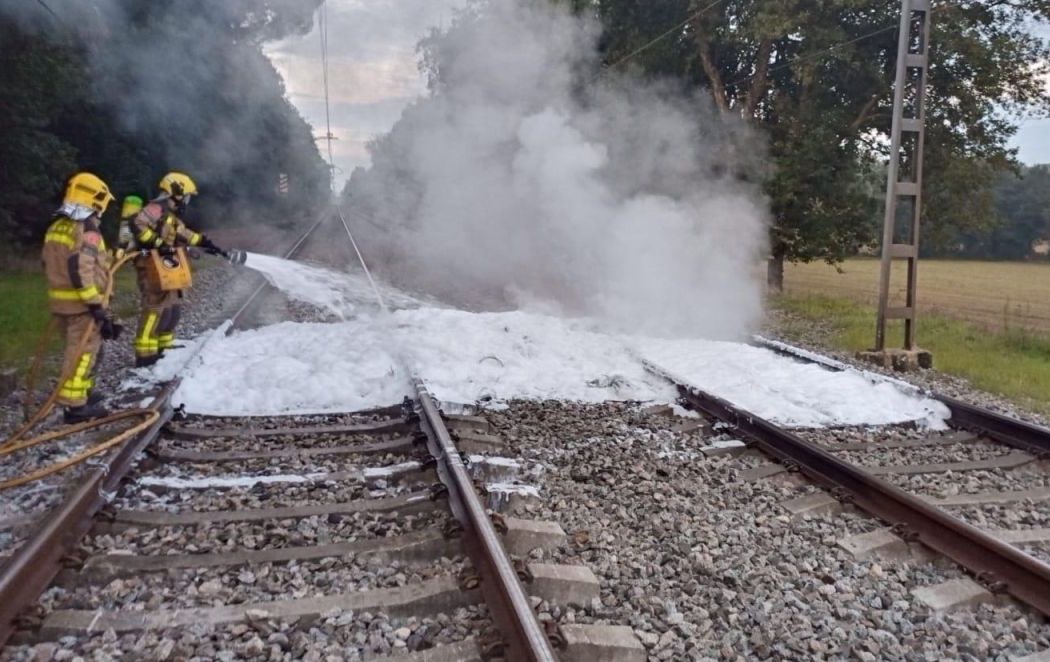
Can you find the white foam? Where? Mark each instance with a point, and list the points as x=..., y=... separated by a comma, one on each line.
x=206, y=482
x=787, y=391
x=512, y=488
x=495, y=461
x=724, y=443
x=393, y=469
x=336, y=292
x=367, y=362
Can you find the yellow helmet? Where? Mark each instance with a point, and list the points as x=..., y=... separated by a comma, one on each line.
x=177, y=184
x=89, y=191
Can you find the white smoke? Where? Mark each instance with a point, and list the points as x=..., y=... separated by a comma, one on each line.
x=528, y=178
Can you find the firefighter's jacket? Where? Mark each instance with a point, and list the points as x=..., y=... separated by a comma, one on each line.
x=155, y=226
x=77, y=265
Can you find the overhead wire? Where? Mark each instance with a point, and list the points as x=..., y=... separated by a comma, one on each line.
x=322, y=20
x=641, y=49
x=792, y=61
x=817, y=54
x=48, y=8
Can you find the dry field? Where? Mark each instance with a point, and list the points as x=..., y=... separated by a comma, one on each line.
x=995, y=295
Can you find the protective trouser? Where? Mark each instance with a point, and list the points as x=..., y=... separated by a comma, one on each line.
x=154, y=319
x=169, y=319
x=79, y=363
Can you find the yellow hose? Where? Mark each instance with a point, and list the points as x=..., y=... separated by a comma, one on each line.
x=150, y=418
x=17, y=441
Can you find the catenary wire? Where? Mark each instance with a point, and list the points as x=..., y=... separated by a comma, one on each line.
x=322, y=20
x=664, y=35
x=817, y=54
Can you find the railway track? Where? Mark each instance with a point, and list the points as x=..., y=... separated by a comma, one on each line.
x=289, y=529
x=354, y=535
x=348, y=535
x=368, y=533
x=889, y=476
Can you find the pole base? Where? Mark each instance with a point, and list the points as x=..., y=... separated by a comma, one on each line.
x=901, y=360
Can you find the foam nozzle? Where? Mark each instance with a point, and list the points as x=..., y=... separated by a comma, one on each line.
x=236, y=257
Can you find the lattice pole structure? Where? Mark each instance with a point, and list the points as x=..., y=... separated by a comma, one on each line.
x=900, y=235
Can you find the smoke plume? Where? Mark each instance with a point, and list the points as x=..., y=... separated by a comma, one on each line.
x=530, y=178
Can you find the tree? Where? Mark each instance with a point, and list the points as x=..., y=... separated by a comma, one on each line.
x=817, y=77
x=34, y=160
x=1020, y=218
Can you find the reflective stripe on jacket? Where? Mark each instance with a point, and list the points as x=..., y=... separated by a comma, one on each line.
x=76, y=263
x=155, y=226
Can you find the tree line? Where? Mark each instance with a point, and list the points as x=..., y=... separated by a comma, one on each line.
x=130, y=89
x=1020, y=224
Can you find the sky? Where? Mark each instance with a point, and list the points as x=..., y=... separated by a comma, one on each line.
x=1033, y=141
x=373, y=75
x=372, y=70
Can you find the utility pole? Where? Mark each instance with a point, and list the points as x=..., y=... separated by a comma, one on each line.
x=900, y=229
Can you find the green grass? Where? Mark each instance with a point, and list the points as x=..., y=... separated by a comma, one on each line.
x=1014, y=363
x=24, y=313
x=23, y=316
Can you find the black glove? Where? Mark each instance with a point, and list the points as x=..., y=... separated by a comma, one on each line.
x=166, y=251
x=211, y=247
x=109, y=329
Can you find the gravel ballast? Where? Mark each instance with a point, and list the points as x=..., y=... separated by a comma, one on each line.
x=264, y=582
x=269, y=534
x=704, y=566
x=294, y=465
x=950, y=483
x=260, y=496
x=336, y=635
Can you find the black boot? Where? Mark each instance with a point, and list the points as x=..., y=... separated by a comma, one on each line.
x=95, y=398
x=146, y=361
x=85, y=413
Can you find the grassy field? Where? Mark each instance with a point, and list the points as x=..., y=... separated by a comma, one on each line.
x=22, y=317
x=997, y=296
x=24, y=314
x=1007, y=354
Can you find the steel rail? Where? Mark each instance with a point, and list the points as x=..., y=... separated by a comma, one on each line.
x=1028, y=437
x=32, y=568
x=504, y=595
x=288, y=254
x=998, y=565
x=1019, y=434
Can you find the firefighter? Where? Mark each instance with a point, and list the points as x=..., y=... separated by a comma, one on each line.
x=129, y=209
x=157, y=227
x=77, y=265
